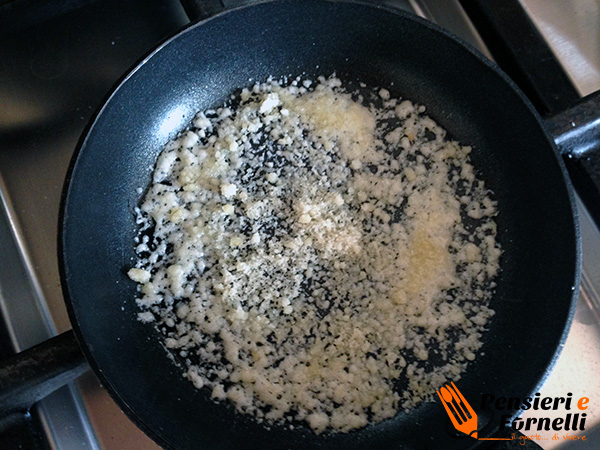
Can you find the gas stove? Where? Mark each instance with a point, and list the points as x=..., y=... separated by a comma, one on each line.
x=60, y=60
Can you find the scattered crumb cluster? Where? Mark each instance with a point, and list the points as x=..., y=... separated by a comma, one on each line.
x=318, y=254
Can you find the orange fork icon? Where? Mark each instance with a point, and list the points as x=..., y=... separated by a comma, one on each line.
x=461, y=414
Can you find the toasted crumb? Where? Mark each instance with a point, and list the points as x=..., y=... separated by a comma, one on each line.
x=304, y=218
x=139, y=275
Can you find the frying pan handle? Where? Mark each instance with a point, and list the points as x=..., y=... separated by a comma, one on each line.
x=35, y=373
x=576, y=132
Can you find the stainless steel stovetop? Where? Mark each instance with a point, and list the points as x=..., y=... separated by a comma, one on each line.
x=51, y=82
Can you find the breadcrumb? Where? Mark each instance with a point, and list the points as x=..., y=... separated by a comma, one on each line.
x=309, y=250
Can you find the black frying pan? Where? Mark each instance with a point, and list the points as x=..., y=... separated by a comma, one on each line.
x=198, y=69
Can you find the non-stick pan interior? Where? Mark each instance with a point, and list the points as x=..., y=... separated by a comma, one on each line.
x=198, y=69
